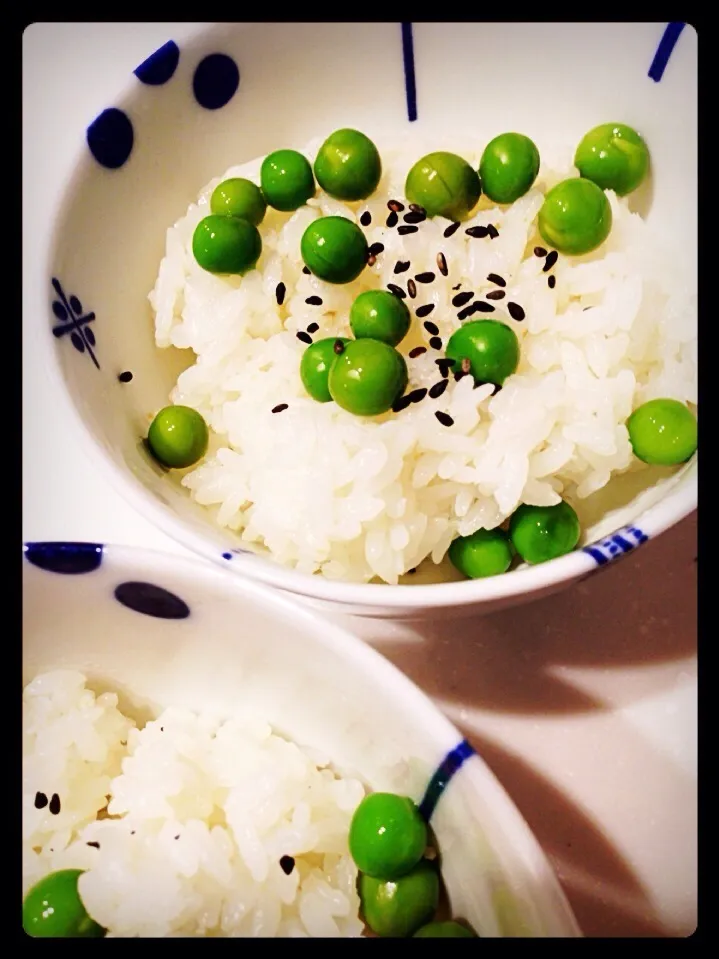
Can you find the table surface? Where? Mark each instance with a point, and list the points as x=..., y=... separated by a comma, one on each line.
x=583, y=704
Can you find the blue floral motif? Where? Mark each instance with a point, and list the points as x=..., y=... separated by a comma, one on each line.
x=619, y=543
x=69, y=312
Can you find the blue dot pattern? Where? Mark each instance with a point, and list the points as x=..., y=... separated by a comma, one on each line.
x=227, y=555
x=110, y=137
x=452, y=762
x=216, y=80
x=67, y=558
x=160, y=66
x=618, y=544
x=151, y=600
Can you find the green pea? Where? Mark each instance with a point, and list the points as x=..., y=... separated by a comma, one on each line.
x=398, y=907
x=286, y=179
x=508, y=168
x=53, y=909
x=444, y=184
x=367, y=377
x=491, y=347
x=380, y=315
x=178, y=437
x=387, y=835
x=540, y=533
x=348, y=165
x=238, y=197
x=444, y=930
x=614, y=157
x=575, y=217
x=334, y=249
x=226, y=244
x=663, y=432
x=487, y=552
x=315, y=366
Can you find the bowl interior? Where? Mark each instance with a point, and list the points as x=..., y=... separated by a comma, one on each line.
x=556, y=80
x=241, y=651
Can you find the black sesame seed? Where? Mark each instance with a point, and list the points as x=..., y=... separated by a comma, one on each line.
x=457, y=286
x=280, y=291
x=313, y=327
x=540, y=251
x=427, y=277
x=366, y=218
x=515, y=311
x=417, y=351
x=478, y=232
x=466, y=312
x=452, y=228
x=125, y=377
x=438, y=388
x=445, y=365
x=392, y=220
x=162, y=729
x=551, y=281
x=40, y=800
x=177, y=836
x=395, y=206
x=416, y=208
x=54, y=804
x=431, y=327
x=416, y=396
x=461, y=298
x=424, y=310
x=338, y=347
x=376, y=249
x=479, y=306
x=314, y=301
x=279, y=408
x=411, y=288
x=397, y=290
x=407, y=228
x=496, y=278
x=304, y=337
x=132, y=832
x=401, y=404
x=414, y=217
x=442, y=264
x=444, y=418
x=287, y=864
x=435, y=342
x=492, y=231
x=95, y=845
x=306, y=269
x=413, y=570
x=550, y=261
x=401, y=266
x=495, y=295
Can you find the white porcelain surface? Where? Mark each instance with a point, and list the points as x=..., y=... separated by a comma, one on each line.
x=584, y=704
x=244, y=651
x=109, y=231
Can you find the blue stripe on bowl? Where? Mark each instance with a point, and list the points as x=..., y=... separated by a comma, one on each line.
x=409, y=78
x=69, y=558
x=665, y=49
x=451, y=763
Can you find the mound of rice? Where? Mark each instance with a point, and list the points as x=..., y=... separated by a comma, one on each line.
x=359, y=499
x=181, y=825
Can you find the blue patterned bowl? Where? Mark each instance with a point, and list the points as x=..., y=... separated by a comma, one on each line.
x=237, y=91
x=162, y=631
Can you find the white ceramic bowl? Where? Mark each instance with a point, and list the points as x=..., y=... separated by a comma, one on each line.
x=547, y=80
x=211, y=641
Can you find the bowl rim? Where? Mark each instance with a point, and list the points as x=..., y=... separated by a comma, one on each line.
x=676, y=505
x=427, y=714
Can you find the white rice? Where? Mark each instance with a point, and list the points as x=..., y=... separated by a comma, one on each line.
x=361, y=498
x=200, y=813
